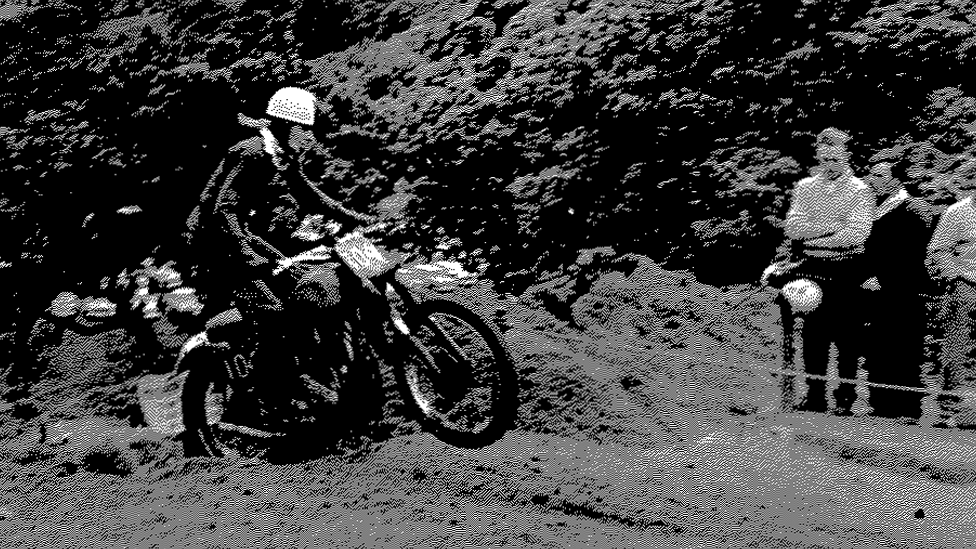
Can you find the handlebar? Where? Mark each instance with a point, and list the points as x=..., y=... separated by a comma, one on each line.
x=321, y=253
x=778, y=268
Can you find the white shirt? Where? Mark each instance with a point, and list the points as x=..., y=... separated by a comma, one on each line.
x=831, y=218
x=952, y=250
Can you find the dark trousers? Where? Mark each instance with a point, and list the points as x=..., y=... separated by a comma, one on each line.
x=837, y=321
x=894, y=353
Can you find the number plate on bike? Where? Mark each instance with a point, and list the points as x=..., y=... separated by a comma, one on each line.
x=361, y=255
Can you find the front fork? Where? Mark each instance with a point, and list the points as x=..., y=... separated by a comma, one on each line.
x=405, y=314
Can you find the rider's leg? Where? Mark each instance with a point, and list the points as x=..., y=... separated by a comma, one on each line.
x=263, y=357
x=315, y=300
x=896, y=357
x=319, y=286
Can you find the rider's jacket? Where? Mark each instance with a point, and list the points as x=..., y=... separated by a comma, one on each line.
x=896, y=248
x=248, y=195
x=952, y=250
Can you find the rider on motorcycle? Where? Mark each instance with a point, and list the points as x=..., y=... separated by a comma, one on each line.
x=259, y=204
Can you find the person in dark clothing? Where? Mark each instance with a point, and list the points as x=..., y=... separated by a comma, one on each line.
x=257, y=207
x=896, y=252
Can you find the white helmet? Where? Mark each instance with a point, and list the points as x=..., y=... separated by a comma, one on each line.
x=803, y=295
x=294, y=105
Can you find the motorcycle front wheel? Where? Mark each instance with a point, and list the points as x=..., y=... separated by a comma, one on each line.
x=458, y=380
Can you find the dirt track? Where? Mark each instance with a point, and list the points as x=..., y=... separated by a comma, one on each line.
x=621, y=443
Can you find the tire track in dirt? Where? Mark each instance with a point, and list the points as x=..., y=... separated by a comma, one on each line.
x=672, y=468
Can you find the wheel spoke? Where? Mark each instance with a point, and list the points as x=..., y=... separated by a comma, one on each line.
x=471, y=409
x=458, y=353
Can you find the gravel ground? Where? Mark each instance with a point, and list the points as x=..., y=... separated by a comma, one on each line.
x=623, y=440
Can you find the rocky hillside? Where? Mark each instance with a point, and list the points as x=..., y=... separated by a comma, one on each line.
x=529, y=129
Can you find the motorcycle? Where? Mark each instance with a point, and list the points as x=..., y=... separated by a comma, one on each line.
x=452, y=371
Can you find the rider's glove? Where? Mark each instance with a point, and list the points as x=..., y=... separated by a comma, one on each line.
x=768, y=272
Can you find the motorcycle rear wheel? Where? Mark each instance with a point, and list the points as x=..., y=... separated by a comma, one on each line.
x=302, y=419
x=458, y=381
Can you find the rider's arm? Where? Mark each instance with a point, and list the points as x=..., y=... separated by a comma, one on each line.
x=858, y=226
x=336, y=210
x=230, y=207
x=206, y=205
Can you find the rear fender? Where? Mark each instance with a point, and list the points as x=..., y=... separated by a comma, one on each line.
x=206, y=338
x=195, y=342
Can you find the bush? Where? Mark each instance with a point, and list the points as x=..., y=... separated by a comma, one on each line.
x=529, y=129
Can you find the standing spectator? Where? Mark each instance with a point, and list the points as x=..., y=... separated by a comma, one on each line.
x=896, y=252
x=829, y=219
x=952, y=261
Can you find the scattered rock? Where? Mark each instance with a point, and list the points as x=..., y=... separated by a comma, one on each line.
x=97, y=444
x=159, y=398
x=920, y=514
x=108, y=461
x=743, y=409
